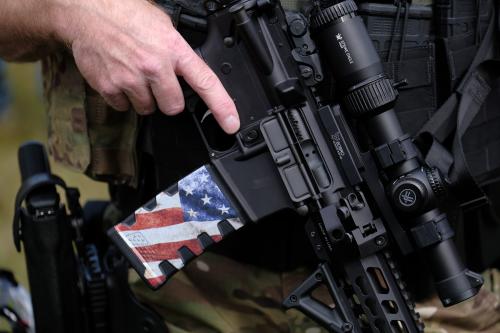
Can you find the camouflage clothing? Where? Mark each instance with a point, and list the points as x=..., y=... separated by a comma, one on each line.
x=479, y=314
x=65, y=97
x=84, y=133
x=215, y=294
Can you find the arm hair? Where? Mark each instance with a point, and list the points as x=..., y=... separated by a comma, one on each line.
x=27, y=29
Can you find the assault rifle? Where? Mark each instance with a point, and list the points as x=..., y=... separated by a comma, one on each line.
x=349, y=167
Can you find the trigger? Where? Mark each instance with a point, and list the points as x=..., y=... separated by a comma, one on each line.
x=207, y=114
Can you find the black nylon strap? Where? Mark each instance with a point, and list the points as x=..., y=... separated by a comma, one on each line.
x=459, y=111
x=435, y=153
x=440, y=124
x=474, y=94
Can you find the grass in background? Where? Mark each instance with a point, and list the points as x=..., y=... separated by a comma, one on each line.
x=26, y=121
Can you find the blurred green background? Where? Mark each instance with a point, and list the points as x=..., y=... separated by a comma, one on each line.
x=26, y=120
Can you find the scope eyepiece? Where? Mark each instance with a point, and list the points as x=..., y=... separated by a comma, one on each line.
x=454, y=282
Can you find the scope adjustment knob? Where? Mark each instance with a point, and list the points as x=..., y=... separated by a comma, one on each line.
x=436, y=181
x=409, y=195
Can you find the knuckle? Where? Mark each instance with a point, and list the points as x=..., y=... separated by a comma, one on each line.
x=176, y=45
x=128, y=83
x=175, y=107
x=109, y=91
x=144, y=112
x=143, y=109
x=144, y=105
x=118, y=104
x=184, y=57
x=175, y=41
x=151, y=66
x=207, y=80
x=223, y=107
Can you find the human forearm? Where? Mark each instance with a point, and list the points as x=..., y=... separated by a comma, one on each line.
x=30, y=29
x=27, y=28
x=127, y=50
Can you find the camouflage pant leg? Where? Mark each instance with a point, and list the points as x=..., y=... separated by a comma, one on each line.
x=214, y=294
x=479, y=314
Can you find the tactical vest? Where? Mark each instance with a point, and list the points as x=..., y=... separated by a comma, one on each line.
x=450, y=102
x=435, y=46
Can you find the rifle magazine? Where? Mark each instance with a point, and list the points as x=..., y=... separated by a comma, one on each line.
x=176, y=226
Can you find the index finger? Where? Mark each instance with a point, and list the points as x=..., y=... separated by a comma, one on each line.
x=208, y=86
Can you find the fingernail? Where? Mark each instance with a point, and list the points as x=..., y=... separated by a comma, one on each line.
x=231, y=124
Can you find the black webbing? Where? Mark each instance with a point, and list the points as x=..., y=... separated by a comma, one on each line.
x=441, y=124
x=458, y=112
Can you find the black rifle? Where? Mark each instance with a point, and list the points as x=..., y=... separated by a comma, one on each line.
x=349, y=167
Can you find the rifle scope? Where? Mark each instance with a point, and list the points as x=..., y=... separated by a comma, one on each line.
x=369, y=95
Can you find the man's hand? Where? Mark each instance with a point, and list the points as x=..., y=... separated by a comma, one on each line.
x=129, y=51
